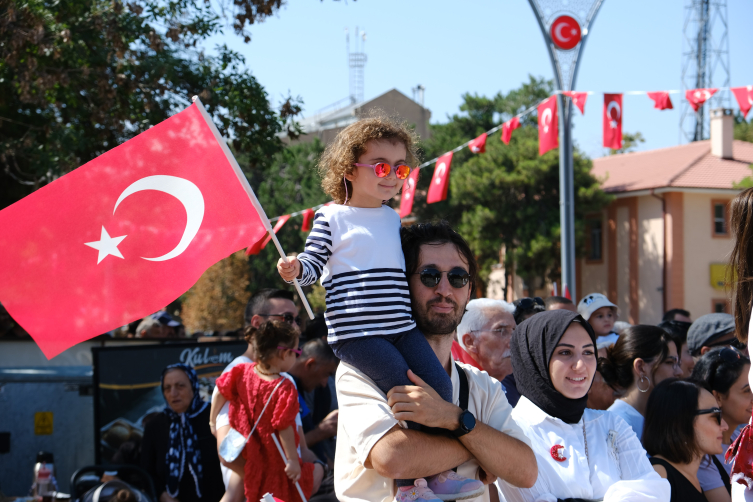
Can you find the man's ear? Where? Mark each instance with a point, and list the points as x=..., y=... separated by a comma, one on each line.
x=256, y=320
x=469, y=343
x=309, y=363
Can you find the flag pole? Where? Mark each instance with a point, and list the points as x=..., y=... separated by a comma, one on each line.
x=251, y=195
x=285, y=459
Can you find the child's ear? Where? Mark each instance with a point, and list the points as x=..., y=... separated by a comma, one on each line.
x=350, y=176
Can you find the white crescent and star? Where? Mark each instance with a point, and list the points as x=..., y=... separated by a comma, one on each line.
x=613, y=105
x=558, y=32
x=546, y=114
x=441, y=168
x=186, y=192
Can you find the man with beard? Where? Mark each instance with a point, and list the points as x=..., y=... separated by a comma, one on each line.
x=483, y=443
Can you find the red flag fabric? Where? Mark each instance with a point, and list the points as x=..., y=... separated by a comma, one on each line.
x=613, y=121
x=308, y=219
x=661, y=100
x=409, y=191
x=262, y=243
x=440, y=181
x=697, y=97
x=507, y=129
x=478, y=145
x=579, y=99
x=548, y=131
x=125, y=234
x=744, y=97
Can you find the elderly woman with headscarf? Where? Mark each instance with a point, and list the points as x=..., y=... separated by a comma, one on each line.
x=178, y=449
x=581, y=453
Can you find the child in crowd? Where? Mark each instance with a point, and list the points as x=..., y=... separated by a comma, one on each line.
x=601, y=314
x=355, y=248
x=249, y=387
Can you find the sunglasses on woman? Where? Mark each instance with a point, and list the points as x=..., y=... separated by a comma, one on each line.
x=297, y=351
x=431, y=277
x=383, y=169
x=709, y=411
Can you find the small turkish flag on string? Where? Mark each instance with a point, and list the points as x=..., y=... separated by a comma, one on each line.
x=262, y=243
x=409, y=191
x=126, y=234
x=548, y=131
x=441, y=179
x=661, y=100
x=697, y=97
x=579, y=99
x=308, y=218
x=613, y=121
x=744, y=97
x=507, y=129
x=478, y=145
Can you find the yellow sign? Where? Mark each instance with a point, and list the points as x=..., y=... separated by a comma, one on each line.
x=43, y=423
x=718, y=275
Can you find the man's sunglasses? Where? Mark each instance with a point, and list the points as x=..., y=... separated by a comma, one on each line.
x=383, y=169
x=297, y=351
x=431, y=277
x=287, y=317
x=709, y=411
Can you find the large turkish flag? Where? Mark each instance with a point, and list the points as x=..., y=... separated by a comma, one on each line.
x=127, y=233
x=440, y=181
x=612, y=119
x=409, y=191
x=548, y=131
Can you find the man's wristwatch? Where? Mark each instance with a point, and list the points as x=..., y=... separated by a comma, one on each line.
x=467, y=424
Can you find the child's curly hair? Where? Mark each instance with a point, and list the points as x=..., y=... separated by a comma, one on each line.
x=268, y=336
x=340, y=155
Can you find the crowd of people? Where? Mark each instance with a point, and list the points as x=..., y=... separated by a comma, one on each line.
x=409, y=390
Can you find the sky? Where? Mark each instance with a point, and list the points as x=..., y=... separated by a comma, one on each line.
x=483, y=47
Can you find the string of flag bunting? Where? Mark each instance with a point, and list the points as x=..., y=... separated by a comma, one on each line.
x=548, y=140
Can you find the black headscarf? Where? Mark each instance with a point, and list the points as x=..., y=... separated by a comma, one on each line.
x=531, y=348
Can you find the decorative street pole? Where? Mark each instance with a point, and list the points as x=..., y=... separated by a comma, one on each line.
x=565, y=25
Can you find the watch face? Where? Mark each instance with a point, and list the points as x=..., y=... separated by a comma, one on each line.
x=468, y=421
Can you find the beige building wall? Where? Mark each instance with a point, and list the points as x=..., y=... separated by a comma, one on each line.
x=650, y=259
x=701, y=250
x=623, y=262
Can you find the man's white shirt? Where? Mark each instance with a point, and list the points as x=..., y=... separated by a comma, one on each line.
x=365, y=417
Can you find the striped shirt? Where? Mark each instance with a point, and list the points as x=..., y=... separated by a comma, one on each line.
x=357, y=254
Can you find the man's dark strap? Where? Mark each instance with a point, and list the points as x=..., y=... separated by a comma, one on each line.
x=464, y=390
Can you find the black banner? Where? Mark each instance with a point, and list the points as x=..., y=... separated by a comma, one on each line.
x=127, y=386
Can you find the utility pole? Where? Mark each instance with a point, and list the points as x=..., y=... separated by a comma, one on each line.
x=565, y=28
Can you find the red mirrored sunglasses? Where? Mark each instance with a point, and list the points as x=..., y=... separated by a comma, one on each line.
x=383, y=169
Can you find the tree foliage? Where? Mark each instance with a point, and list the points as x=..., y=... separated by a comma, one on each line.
x=630, y=142
x=80, y=77
x=508, y=196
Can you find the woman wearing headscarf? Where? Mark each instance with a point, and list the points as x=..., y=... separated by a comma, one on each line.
x=178, y=449
x=581, y=453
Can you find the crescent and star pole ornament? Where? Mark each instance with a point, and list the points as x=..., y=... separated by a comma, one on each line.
x=186, y=192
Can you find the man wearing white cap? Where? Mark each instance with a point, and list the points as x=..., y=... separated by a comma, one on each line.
x=601, y=314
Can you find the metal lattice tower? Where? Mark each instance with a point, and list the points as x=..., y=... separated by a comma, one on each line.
x=705, y=63
x=356, y=62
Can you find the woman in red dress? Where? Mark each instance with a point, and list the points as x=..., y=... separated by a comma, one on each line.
x=248, y=388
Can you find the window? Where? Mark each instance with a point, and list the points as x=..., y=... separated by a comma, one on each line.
x=594, y=243
x=720, y=306
x=720, y=218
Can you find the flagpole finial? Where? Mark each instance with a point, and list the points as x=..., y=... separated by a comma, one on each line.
x=194, y=99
